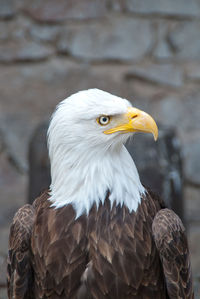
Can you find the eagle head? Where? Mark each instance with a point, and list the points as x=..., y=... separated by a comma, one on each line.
x=85, y=139
x=97, y=118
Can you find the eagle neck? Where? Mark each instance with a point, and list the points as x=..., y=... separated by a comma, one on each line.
x=83, y=179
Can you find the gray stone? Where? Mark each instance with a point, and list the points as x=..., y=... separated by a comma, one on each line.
x=3, y=265
x=182, y=113
x=7, y=9
x=39, y=165
x=162, y=49
x=163, y=74
x=185, y=40
x=15, y=29
x=196, y=285
x=193, y=72
x=192, y=162
x=2, y=142
x=117, y=5
x=194, y=244
x=3, y=293
x=58, y=11
x=115, y=39
x=13, y=190
x=192, y=206
x=14, y=129
x=163, y=7
x=142, y=93
x=23, y=51
x=4, y=233
x=169, y=111
x=3, y=31
x=44, y=33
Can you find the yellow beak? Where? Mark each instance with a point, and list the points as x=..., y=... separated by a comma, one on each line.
x=136, y=120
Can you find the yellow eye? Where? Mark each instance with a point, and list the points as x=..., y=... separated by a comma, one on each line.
x=103, y=120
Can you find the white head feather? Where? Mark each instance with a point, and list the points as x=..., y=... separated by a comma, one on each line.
x=85, y=162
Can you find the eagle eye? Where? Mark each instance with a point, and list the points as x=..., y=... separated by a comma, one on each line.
x=103, y=120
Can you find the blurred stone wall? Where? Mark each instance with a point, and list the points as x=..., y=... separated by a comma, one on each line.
x=145, y=51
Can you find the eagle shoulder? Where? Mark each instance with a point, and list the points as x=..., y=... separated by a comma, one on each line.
x=171, y=242
x=19, y=272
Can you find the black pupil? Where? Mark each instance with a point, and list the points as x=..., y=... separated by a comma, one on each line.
x=104, y=119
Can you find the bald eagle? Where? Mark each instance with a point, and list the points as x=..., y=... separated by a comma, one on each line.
x=97, y=232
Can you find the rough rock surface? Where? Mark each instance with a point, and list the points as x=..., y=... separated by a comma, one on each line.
x=162, y=7
x=192, y=165
x=185, y=39
x=51, y=11
x=7, y=9
x=23, y=51
x=163, y=74
x=107, y=41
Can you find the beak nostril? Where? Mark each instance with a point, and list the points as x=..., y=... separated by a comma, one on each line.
x=134, y=116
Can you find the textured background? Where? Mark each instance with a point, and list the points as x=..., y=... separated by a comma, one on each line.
x=146, y=51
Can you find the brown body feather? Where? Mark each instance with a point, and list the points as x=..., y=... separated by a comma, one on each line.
x=110, y=253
